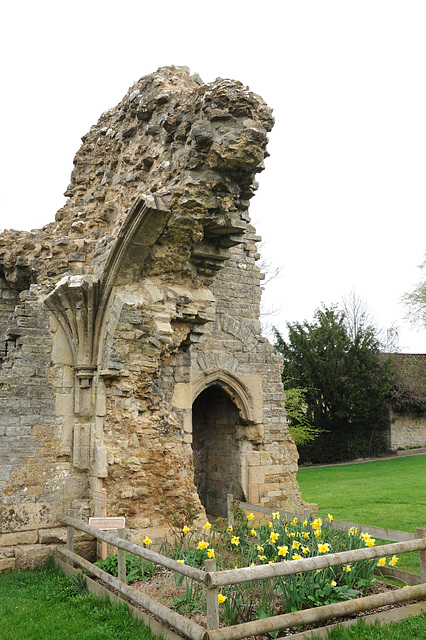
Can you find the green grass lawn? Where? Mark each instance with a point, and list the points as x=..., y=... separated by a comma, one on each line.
x=45, y=605
x=384, y=493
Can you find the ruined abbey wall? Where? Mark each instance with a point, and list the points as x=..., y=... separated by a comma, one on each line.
x=131, y=355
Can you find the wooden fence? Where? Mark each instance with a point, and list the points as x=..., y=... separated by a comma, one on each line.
x=212, y=580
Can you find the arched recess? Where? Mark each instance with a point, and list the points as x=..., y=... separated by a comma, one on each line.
x=216, y=421
x=224, y=421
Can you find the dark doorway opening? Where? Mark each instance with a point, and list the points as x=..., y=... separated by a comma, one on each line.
x=216, y=451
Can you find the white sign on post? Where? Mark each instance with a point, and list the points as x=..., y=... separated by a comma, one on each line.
x=107, y=524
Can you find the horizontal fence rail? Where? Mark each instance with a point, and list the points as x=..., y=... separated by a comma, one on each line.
x=179, y=622
x=263, y=572
x=130, y=547
x=318, y=614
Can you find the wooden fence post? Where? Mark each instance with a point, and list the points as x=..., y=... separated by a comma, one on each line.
x=230, y=504
x=421, y=533
x=121, y=556
x=211, y=599
x=70, y=535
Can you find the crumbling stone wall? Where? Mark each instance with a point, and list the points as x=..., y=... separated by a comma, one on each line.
x=118, y=316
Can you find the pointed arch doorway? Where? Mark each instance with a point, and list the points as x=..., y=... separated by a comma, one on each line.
x=216, y=448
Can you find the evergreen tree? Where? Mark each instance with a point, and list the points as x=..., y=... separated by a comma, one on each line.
x=346, y=385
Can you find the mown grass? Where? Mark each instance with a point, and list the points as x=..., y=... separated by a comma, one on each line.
x=384, y=493
x=45, y=605
x=408, y=629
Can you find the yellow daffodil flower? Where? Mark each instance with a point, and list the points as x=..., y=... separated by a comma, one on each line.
x=294, y=521
x=352, y=531
x=323, y=548
x=296, y=544
x=317, y=523
x=393, y=561
x=270, y=525
x=221, y=598
x=382, y=562
x=230, y=529
x=147, y=541
x=270, y=562
x=330, y=517
x=370, y=542
x=210, y=553
x=259, y=548
x=185, y=529
x=305, y=534
x=347, y=568
x=305, y=550
x=276, y=515
x=317, y=533
x=202, y=545
x=333, y=583
x=235, y=540
x=262, y=558
x=250, y=516
x=253, y=532
x=181, y=561
x=305, y=523
x=207, y=526
x=274, y=536
x=296, y=556
x=282, y=551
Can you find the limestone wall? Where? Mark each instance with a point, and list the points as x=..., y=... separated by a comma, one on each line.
x=407, y=430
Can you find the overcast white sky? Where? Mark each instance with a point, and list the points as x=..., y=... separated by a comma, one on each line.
x=342, y=203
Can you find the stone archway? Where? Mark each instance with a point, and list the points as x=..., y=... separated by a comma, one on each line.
x=216, y=449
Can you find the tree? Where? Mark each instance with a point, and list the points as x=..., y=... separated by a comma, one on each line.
x=346, y=385
x=415, y=302
x=295, y=405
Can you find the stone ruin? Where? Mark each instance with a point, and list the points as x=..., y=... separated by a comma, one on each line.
x=131, y=355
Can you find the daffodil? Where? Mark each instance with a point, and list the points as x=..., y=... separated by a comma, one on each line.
x=207, y=526
x=274, y=536
x=259, y=548
x=317, y=533
x=305, y=523
x=253, y=532
x=323, y=548
x=305, y=534
x=333, y=583
x=202, y=544
x=353, y=531
x=370, y=543
x=294, y=521
x=282, y=551
x=296, y=556
x=330, y=517
x=347, y=568
x=221, y=598
x=235, y=540
x=276, y=515
x=230, y=529
x=317, y=523
x=250, y=516
x=147, y=541
x=382, y=562
x=181, y=561
x=262, y=558
x=210, y=553
x=393, y=561
x=270, y=525
x=296, y=544
x=185, y=529
x=305, y=550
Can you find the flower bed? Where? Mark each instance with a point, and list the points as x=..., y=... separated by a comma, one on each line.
x=247, y=544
